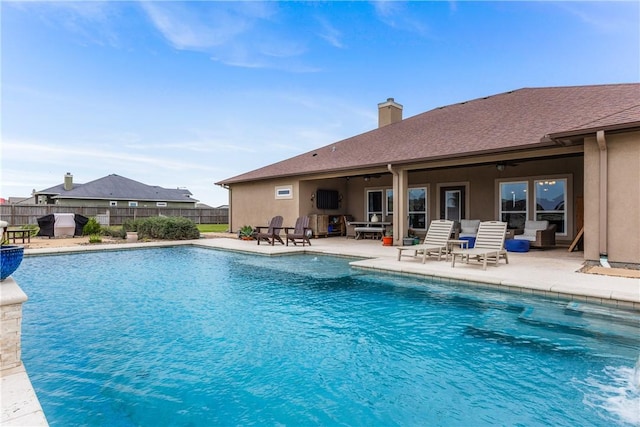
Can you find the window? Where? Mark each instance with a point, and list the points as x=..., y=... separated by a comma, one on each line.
x=133, y=204
x=161, y=204
x=513, y=203
x=417, y=208
x=284, y=192
x=389, y=202
x=374, y=203
x=551, y=199
x=113, y=203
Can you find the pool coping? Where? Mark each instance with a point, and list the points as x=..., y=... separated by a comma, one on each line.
x=20, y=405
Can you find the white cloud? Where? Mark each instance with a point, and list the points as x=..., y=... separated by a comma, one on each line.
x=602, y=17
x=331, y=34
x=92, y=22
x=192, y=28
x=241, y=34
x=395, y=15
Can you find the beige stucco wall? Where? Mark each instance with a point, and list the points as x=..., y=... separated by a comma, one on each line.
x=623, y=213
x=255, y=203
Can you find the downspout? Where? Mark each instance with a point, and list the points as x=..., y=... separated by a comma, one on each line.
x=228, y=188
x=396, y=202
x=602, y=145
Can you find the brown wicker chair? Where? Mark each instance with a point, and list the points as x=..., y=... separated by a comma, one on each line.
x=540, y=234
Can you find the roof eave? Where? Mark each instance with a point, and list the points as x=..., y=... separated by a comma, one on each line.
x=367, y=168
x=572, y=136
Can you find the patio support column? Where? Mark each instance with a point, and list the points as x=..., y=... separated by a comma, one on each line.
x=602, y=145
x=400, y=214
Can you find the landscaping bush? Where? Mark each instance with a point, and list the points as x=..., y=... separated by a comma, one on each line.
x=130, y=225
x=166, y=228
x=94, y=238
x=33, y=229
x=117, y=233
x=92, y=227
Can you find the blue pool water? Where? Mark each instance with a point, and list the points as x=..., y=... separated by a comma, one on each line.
x=190, y=336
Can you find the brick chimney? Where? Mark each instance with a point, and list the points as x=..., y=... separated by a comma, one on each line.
x=389, y=112
x=68, y=182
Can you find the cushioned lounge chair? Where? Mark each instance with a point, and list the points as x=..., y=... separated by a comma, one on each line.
x=489, y=246
x=435, y=242
x=468, y=228
x=272, y=232
x=540, y=234
x=299, y=233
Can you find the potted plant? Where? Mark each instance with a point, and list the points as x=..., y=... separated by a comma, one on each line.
x=246, y=232
x=387, y=239
x=10, y=255
x=411, y=239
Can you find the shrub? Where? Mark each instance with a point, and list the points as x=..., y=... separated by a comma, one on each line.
x=166, y=228
x=131, y=224
x=33, y=229
x=94, y=238
x=91, y=227
x=117, y=233
x=245, y=231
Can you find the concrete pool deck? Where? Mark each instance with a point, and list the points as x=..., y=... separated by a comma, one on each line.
x=551, y=273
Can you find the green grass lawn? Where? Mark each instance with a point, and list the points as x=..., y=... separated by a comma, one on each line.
x=213, y=228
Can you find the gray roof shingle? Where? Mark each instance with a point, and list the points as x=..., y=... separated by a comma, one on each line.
x=115, y=187
x=513, y=120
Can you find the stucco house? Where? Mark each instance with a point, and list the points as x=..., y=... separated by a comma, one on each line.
x=114, y=191
x=570, y=155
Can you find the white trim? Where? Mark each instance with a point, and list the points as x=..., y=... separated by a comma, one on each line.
x=161, y=204
x=113, y=203
x=283, y=192
x=133, y=204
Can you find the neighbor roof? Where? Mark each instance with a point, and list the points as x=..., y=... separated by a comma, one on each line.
x=516, y=120
x=115, y=187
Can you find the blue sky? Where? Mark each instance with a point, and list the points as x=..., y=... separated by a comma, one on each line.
x=184, y=94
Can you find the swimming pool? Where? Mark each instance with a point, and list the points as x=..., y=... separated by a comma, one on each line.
x=191, y=336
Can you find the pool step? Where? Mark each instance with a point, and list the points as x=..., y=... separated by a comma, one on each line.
x=614, y=315
x=586, y=325
x=506, y=327
x=551, y=329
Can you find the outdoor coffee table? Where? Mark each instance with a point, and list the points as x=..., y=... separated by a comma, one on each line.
x=464, y=244
x=13, y=235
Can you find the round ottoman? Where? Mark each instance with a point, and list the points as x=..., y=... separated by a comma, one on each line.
x=471, y=240
x=513, y=245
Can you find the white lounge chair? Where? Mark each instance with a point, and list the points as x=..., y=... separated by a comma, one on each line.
x=434, y=242
x=489, y=245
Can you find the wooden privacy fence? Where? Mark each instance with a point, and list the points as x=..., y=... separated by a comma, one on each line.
x=17, y=215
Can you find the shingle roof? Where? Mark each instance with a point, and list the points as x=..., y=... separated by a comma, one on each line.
x=513, y=120
x=115, y=187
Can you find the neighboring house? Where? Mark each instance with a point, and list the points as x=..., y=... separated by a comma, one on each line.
x=22, y=200
x=567, y=154
x=116, y=191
